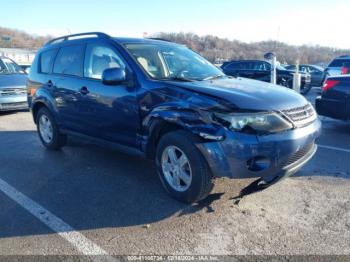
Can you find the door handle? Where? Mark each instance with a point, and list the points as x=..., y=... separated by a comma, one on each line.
x=49, y=84
x=84, y=90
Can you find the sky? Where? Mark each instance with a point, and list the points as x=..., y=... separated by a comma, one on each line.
x=296, y=22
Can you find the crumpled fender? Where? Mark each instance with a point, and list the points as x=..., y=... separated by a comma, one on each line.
x=189, y=118
x=194, y=120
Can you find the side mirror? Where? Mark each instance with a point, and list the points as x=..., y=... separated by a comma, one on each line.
x=113, y=76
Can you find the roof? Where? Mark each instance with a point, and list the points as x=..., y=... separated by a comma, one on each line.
x=129, y=40
x=343, y=57
x=98, y=35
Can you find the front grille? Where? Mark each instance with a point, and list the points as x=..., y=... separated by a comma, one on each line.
x=301, y=116
x=13, y=92
x=299, y=154
x=18, y=105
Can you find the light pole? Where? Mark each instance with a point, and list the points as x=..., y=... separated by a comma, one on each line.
x=271, y=57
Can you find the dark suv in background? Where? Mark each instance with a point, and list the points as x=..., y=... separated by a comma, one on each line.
x=261, y=70
x=163, y=101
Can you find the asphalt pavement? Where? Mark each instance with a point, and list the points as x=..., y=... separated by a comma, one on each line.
x=89, y=200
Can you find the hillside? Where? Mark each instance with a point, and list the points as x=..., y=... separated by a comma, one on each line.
x=20, y=39
x=212, y=47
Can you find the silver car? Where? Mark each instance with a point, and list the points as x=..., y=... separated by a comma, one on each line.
x=13, y=92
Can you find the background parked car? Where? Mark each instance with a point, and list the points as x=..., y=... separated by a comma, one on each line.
x=13, y=92
x=335, y=67
x=25, y=68
x=261, y=70
x=335, y=99
x=316, y=72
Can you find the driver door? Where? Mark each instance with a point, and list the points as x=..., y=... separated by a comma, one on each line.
x=108, y=112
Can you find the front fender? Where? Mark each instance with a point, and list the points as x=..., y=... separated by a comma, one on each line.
x=196, y=121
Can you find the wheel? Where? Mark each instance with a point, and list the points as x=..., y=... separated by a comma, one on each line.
x=48, y=131
x=182, y=168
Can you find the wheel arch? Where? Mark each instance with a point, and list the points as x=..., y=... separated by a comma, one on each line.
x=157, y=125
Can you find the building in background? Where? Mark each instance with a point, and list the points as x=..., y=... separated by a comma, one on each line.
x=20, y=56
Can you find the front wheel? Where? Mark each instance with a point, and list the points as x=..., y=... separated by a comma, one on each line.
x=48, y=131
x=182, y=168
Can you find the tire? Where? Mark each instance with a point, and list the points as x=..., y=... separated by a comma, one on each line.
x=57, y=140
x=201, y=182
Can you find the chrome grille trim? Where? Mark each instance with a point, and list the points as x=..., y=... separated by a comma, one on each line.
x=301, y=116
x=12, y=92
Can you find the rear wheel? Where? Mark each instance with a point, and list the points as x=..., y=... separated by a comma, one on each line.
x=48, y=131
x=182, y=168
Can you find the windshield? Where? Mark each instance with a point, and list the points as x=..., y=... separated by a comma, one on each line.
x=7, y=66
x=173, y=62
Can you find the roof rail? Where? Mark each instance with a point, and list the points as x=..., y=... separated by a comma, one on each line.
x=78, y=36
x=159, y=39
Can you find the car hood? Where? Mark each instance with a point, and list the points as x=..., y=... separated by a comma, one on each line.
x=248, y=94
x=12, y=80
x=291, y=71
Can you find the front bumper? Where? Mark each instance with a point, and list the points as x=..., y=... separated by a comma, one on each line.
x=285, y=153
x=13, y=103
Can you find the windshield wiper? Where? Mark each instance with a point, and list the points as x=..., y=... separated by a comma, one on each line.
x=213, y=77
x=177, y=78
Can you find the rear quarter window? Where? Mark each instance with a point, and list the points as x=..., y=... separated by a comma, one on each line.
x=339, y=62
x=46, y=61
x=234, y=65
x=70, y=60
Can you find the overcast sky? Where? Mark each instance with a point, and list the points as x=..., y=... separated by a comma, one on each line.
x=298, y=22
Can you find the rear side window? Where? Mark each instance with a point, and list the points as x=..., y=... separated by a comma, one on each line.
x=69, y=61
x=46, y=60
x=234, y=65
x=248, y=65
x=339, y=62
x=262, y=66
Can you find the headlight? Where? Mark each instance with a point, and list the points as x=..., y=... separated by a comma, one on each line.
x=254, y=122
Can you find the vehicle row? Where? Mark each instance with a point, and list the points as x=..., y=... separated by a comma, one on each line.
x=261, y=70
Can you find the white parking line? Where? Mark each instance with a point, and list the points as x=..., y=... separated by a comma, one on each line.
x=335, y=148
x=79, y=241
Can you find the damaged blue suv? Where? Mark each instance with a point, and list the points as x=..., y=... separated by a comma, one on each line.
x=165, y=102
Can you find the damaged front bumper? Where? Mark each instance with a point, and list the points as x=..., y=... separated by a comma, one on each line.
x=270, y=157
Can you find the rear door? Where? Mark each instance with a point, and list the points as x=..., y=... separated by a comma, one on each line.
x=246, y=69
x=262, y=71
x=65, y=79
x=317, y=76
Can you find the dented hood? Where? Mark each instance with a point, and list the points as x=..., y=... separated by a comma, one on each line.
x=248, y=94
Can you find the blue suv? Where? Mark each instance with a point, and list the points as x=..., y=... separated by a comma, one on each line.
x=165, y=102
